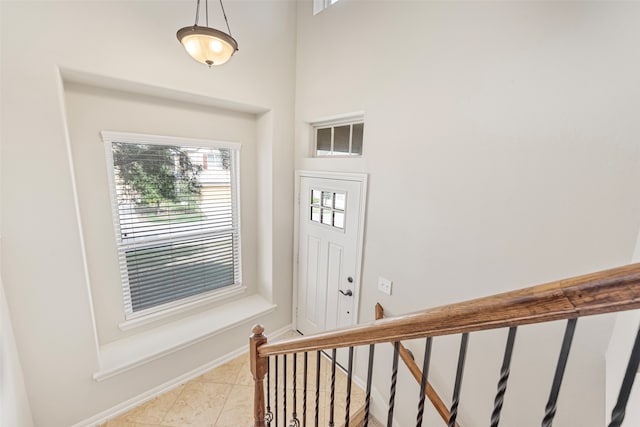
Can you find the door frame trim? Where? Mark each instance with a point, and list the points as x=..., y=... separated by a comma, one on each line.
x=362, y=178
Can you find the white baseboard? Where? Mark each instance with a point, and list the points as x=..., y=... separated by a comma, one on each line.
x=129, y=404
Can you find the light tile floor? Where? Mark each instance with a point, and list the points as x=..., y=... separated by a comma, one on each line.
x=223, y=397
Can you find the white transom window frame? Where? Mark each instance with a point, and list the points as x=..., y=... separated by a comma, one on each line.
x=332, y=122
x=141, y=317
x=320, y=5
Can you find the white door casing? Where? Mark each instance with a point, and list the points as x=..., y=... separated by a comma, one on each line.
x=329, y=249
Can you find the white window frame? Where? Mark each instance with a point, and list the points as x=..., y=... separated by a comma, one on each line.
x=320, y=5
x=333, y=122
x=333, y=209
x=108, y=138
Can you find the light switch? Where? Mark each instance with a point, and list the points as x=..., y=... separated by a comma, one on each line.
x=384, y=285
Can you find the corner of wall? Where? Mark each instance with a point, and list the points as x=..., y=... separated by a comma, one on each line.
x=264, y=146
x=14, y=404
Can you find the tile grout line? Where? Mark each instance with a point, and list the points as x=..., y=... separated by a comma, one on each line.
x=238, y=377
x=184, y=386
x=226, y=400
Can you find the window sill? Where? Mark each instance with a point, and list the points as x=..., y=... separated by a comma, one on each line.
x=222, y=294
x=128, y=353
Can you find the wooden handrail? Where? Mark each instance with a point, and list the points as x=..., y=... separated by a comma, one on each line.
x=429, y=391
x=606, y=291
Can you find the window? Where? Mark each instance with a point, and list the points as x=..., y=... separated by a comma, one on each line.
x=328, y=207
x=343, y=138
x=175, y=208
x=213, y=160
x=320, y=5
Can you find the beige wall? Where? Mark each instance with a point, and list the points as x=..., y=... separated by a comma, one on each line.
x=90, y=110
x=131, y=46
x=14, y=404
x=618, y=352
x=511, y=129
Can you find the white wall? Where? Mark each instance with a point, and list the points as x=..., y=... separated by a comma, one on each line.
x=512, y=126
x=91, y=110
x=501, y=144
x=132, y=43
x=624, y=332
x=14, y=404
x=622, y=339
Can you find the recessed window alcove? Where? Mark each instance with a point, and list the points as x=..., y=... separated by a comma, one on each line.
x=94, y=104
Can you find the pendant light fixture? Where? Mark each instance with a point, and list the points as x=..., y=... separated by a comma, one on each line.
x=208, y=45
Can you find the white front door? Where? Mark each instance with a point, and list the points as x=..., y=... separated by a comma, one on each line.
x=330, y=226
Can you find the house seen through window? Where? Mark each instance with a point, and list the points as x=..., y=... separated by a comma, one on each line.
x=175, y=214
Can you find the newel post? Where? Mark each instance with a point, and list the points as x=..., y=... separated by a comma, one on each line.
x=259, y=370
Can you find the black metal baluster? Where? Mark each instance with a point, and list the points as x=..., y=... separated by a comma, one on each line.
x=423, y=382
x=550, y=409
x=332, y=398
x=617, y=415
x=349, y=377
x=394, y=380
x=317, y=387
x=367, y=398
x=504, y=377
x=284, y=389
x=275, y=394
x=268, y=416
x=295, y=422
x=453, y=412
x=304, y=391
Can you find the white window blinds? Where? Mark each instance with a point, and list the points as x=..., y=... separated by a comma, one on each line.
x=176, y=219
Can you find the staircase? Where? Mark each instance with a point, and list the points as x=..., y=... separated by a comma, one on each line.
x=316, y=379
x=337, y=402
x=223, y=397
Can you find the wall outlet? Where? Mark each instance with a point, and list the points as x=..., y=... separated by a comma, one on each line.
x=384, y=285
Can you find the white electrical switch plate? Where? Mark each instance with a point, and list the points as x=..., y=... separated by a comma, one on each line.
x=384, y=285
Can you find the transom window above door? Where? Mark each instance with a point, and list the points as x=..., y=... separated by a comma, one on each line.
x=320, y=5
x=339, y=137
x=328, y=208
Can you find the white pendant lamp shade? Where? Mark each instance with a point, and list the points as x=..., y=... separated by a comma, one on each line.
x=207, y=45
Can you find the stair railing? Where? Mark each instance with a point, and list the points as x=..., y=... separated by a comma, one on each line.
x=409, y=361
x=606, y=291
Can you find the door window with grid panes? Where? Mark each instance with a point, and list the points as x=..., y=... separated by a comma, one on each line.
x=328, y=208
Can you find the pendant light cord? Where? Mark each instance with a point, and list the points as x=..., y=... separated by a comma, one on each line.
x=225, y=17
x=197, y=13
x=206, y=8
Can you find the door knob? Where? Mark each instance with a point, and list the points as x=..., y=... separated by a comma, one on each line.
x=348, y=293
